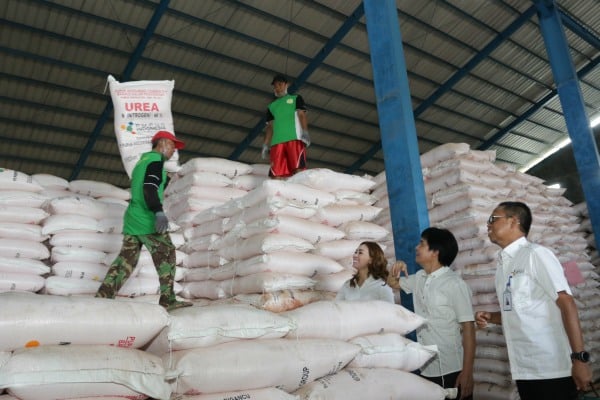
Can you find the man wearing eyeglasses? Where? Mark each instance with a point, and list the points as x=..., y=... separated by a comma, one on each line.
x=537, y=311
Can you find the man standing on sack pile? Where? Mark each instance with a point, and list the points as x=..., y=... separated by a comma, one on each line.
x=286, y=134
x=145, y=223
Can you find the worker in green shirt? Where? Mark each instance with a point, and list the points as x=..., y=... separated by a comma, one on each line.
x=286, y=134
x=145, y=223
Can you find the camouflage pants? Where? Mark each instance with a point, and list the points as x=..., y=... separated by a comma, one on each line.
x=162, y=251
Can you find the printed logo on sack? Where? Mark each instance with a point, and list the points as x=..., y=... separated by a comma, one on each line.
x=128, y=342
x=130, y=127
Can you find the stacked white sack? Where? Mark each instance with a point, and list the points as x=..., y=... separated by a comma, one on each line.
x=23, y=255
x=248, y=182
x=78, y=243
x=255, y=364
x=319, y=339
x=462, y=188
x=85, y=229
x=217, y=334
x=378, y=329
x=254, y=244
x=252, y=394
x=65, y=347
x=589, y=302
x=352, y=213
x=373, y=383
x=586, y=228
x=53, y=186
x=205, y=326
x=281, y=238
x=202, y=183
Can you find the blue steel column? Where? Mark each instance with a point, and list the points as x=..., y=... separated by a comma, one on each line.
x=408, y=205
x=583, y=143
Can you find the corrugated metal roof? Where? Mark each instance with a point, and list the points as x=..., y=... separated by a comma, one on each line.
x=55, y=57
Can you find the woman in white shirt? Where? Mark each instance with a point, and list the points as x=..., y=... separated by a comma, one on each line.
x=369, y=281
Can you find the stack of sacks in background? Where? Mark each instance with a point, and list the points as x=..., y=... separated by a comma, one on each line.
x=586, y=229
x=66, y=347
x=588, y=301
x=211, y=352
x=281, y=240
x=462, y=188
x=248, y=182
x=202, y=183
x=53, y=186
x=82, y=225
x=23, y=254
x=352, y=213
x=257, y=236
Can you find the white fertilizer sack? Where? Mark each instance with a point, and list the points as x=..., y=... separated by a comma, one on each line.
x=142, y=108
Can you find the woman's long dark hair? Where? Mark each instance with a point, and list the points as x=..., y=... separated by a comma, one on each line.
x=378, y=265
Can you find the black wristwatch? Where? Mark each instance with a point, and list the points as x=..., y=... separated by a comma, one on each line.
x=582, y=356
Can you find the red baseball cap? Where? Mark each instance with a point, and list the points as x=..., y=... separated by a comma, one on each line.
x=168, y=135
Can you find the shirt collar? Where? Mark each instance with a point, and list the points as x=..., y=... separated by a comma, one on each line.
x=509, y=251
x=438, y=272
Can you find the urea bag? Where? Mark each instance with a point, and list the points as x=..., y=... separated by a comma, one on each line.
x=34, y=319
x=254, y=394
x=16, y=180
x=22, y=215
x=345, y=320
x=21, y=198
x=14, y=281
x=283, y=300
x=262, y=282
x=373, y=384
x=391, y=350
x=229, y=168
x=142, y=108
x=207, y=326
x=98, y=189
x=306, y=264
x=331, y=181
x=254, y=364
x=60, y=372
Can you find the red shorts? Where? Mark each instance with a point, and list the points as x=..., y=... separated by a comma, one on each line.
x=287, y=158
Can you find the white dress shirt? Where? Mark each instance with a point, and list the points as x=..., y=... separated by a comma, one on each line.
x=538, y=346
x=444, y=299
x=371, y=289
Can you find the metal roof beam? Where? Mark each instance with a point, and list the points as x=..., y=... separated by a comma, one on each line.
x=222, y=81
x=580, y=30
x=456, y=77
x=583, y=142
x=184, y=70
x=473, y=62
x=133, y=61
x=508, y=128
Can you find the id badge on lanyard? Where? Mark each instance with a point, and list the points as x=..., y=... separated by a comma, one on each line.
x=507, y=296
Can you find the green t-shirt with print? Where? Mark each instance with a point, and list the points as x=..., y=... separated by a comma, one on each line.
x=286, y=125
